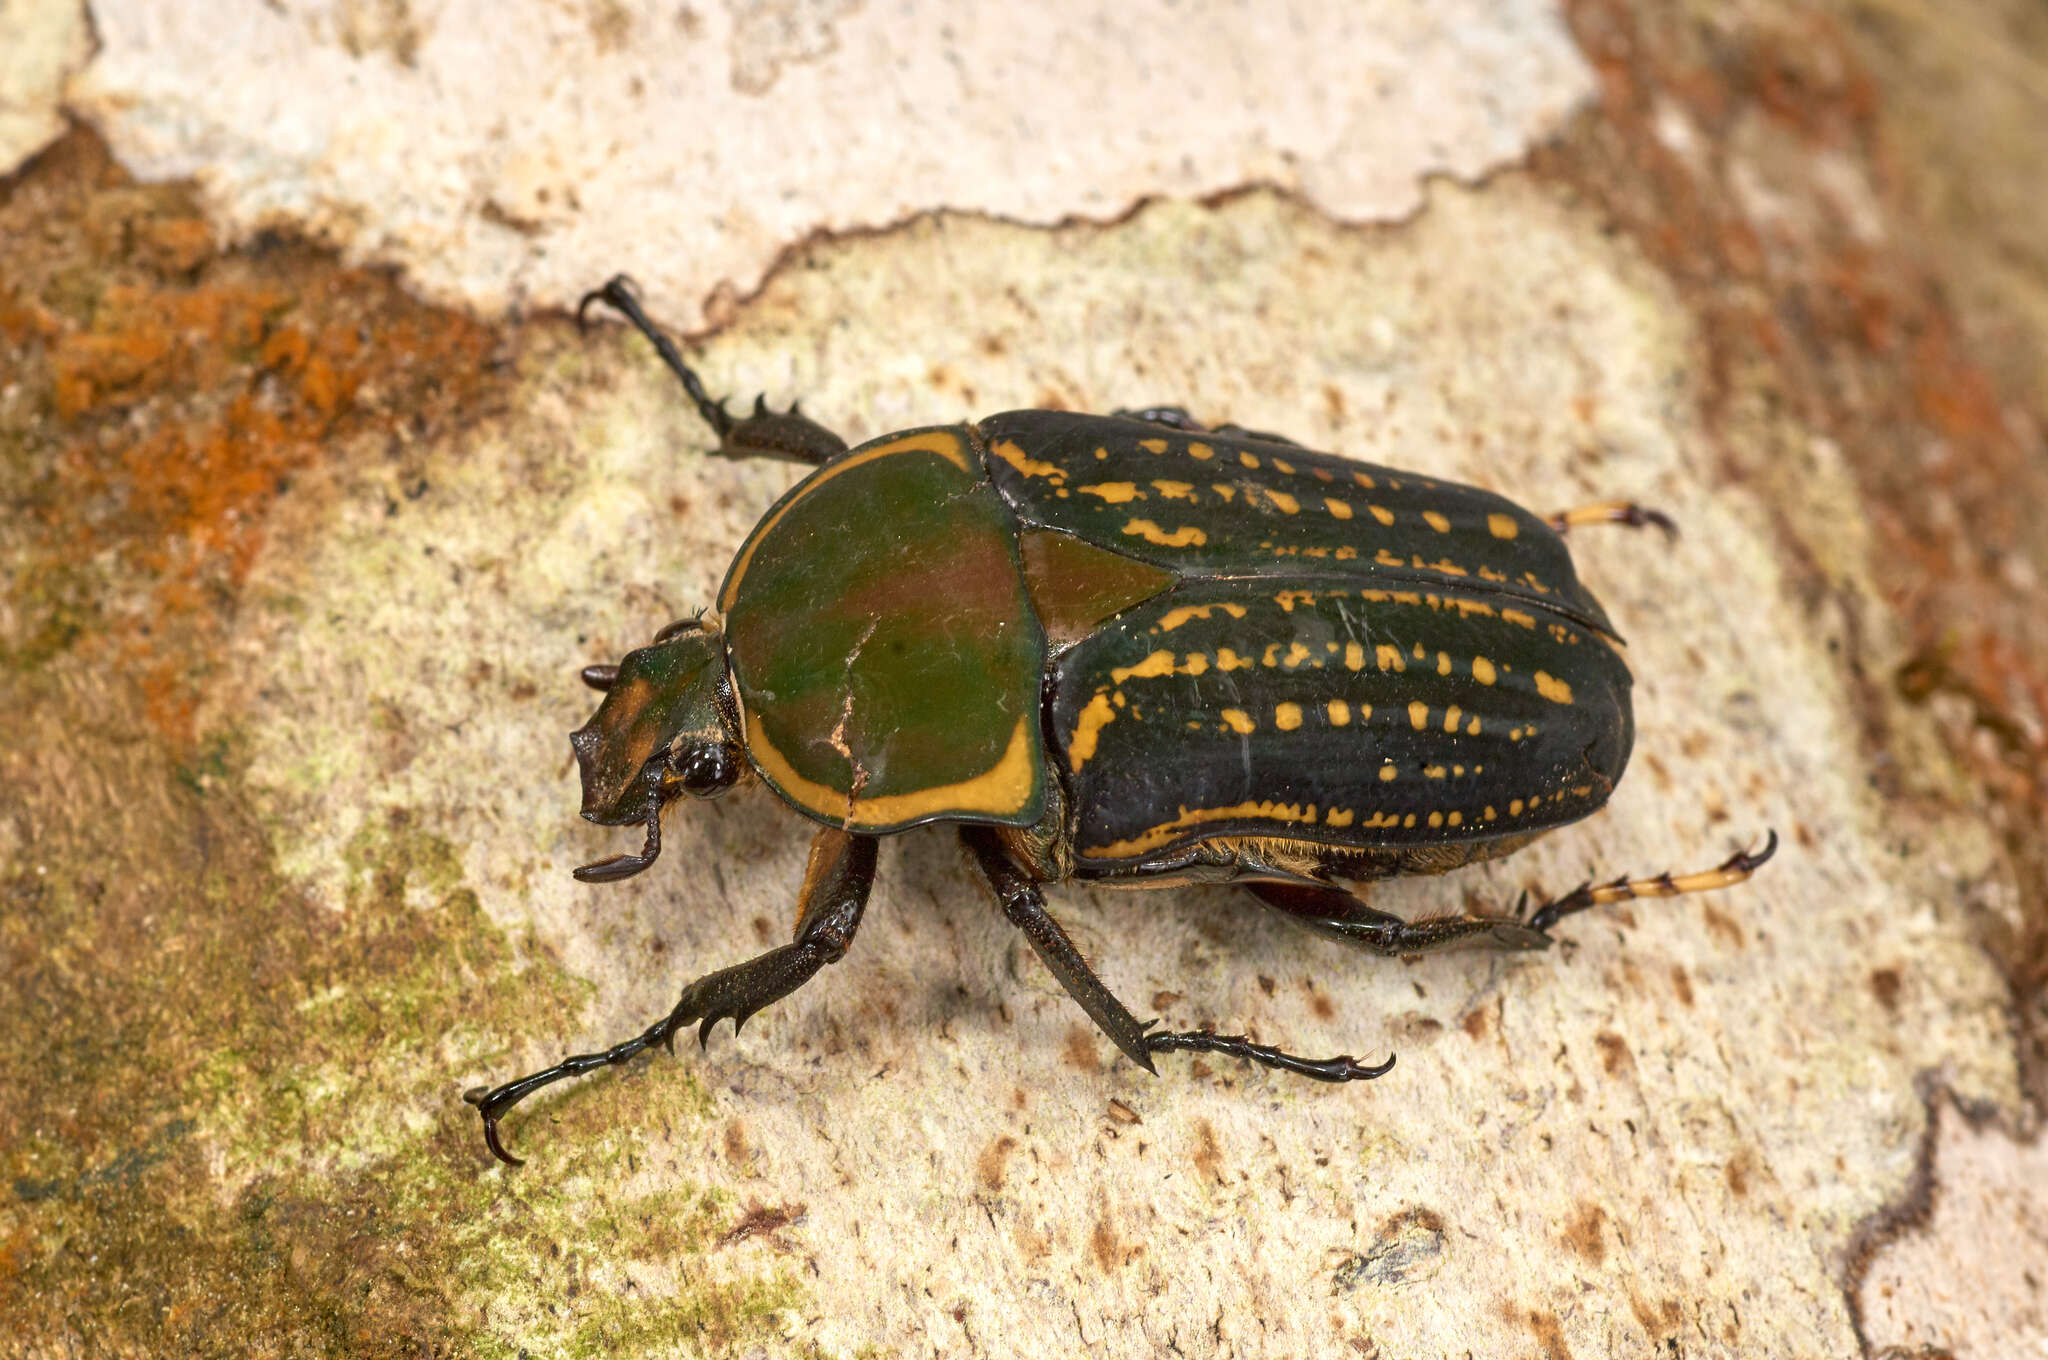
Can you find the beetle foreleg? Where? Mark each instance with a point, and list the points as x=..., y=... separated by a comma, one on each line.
x=836, y=885
x=764, y=434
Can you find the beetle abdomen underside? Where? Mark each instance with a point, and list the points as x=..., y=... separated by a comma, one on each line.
x=1333, y=711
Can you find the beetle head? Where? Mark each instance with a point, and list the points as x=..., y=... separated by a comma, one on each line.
x=662, y=730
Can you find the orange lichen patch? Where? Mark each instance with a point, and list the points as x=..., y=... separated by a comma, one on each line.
x=182, y=392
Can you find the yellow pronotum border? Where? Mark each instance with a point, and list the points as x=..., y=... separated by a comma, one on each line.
x=1003, y=790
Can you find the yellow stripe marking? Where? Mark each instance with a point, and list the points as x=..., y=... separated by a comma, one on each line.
x=1174, y=618
x=1192, y=817
x=1114, y=493
x=1227, y=660
x=1186, y=536
x=999, y=791
x=1516, y=616
x=1159, y=663
x=1338, y=817
x=1081, y=747
x=1008, y=451
x=1173, y=491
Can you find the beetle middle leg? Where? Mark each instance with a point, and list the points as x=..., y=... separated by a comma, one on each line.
x=1341, y=915
x=764, y=434
x=1025, y=906
x=835, y=892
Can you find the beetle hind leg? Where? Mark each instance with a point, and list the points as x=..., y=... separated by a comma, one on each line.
x=1025, y=906
x=836, y=885
x=1341, y=915
x=764, y=434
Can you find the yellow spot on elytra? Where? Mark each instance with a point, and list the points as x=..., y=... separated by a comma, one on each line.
x=1421, y=654
x=1409, y=820
x=1247, y=459
x=1388, y=657
x=1418, y=714
x=1338, y=817
x=1201, y=453
x=1186, y=536
x=1451, y=716
x=1238, y=721
x=1552, y=688
x=1433, y=772
x=1515, y=808
x=1362, y=480
x=1490, y=814
x=1346, y=554
x=1173, y=491
x=1382, y=514
x=1284, y=466
x=1115, y=493
x=1226, y=492
x=1101, y=454
x=1227, y=660
x=1148, y=445
x=1287, y=717
x=1472, y=728
x=1482, y=670
x=1287, y=599
x=1340, y=713
x=1117, y=698
x=1287, y=504
x=1296, y=654
x=1436, y=819
x=1159, y=663
x=1457, y=819
x=1386, y=773
x=1008, y=451
x=1436, y=521
x=1354, y=656
x=1337, y=508
x=1443, y=663
x=1516, y=616
x=1502, y=526
x=1387, y=559
x=1196, y=664
x=1174, y=618
x=1081, y=748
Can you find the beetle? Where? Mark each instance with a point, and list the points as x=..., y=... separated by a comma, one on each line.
x=1125, y=650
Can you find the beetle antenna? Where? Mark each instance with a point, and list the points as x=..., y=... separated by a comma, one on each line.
x=625, y=866
x=623, y=296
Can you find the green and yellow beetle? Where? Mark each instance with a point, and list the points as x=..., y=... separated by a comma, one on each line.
x=1126, y=650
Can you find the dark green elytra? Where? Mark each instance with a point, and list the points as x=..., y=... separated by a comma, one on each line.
x=1225, y=637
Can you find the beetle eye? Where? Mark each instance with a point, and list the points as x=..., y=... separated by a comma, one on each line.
x=705, y=771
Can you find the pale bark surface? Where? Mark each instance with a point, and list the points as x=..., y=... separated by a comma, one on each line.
x=302, y=567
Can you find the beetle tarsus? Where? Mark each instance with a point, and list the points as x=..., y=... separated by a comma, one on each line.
x=1341, y=1068
x=622, y=295
x=1729, y=872
x=1626, y=513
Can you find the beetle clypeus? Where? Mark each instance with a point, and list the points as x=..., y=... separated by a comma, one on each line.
x=1126, y=650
